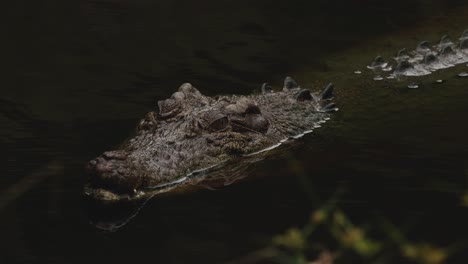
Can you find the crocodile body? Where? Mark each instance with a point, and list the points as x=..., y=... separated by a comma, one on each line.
x=193, y=132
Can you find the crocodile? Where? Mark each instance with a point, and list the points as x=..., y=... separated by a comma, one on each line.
x=192, y=133
x=425, y=59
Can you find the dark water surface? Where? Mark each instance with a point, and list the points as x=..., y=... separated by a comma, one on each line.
x=79, y=74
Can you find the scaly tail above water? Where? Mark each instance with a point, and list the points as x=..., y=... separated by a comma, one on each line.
x=425, y=59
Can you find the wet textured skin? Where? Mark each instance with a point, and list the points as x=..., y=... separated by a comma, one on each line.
x=425, y=59
x=192, y=132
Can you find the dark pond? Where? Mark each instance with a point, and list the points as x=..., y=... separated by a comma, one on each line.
x=78, y=75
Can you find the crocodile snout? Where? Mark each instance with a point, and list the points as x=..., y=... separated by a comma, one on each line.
x=112, y=170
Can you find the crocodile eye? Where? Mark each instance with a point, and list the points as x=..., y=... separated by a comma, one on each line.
x=214, y=121
x=252, y=109
x=219, y=124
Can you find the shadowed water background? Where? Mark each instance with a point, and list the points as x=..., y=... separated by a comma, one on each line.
x=78, y=75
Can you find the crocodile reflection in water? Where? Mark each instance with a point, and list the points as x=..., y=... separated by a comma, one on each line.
x=194, y=134
x=425, y=59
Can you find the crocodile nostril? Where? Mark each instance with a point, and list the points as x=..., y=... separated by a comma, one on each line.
x=105, y=166
x=91, y=165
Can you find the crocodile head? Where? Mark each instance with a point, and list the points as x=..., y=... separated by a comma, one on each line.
x=192, y=132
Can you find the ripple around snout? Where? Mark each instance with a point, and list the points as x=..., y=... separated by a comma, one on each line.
x=112, y=216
